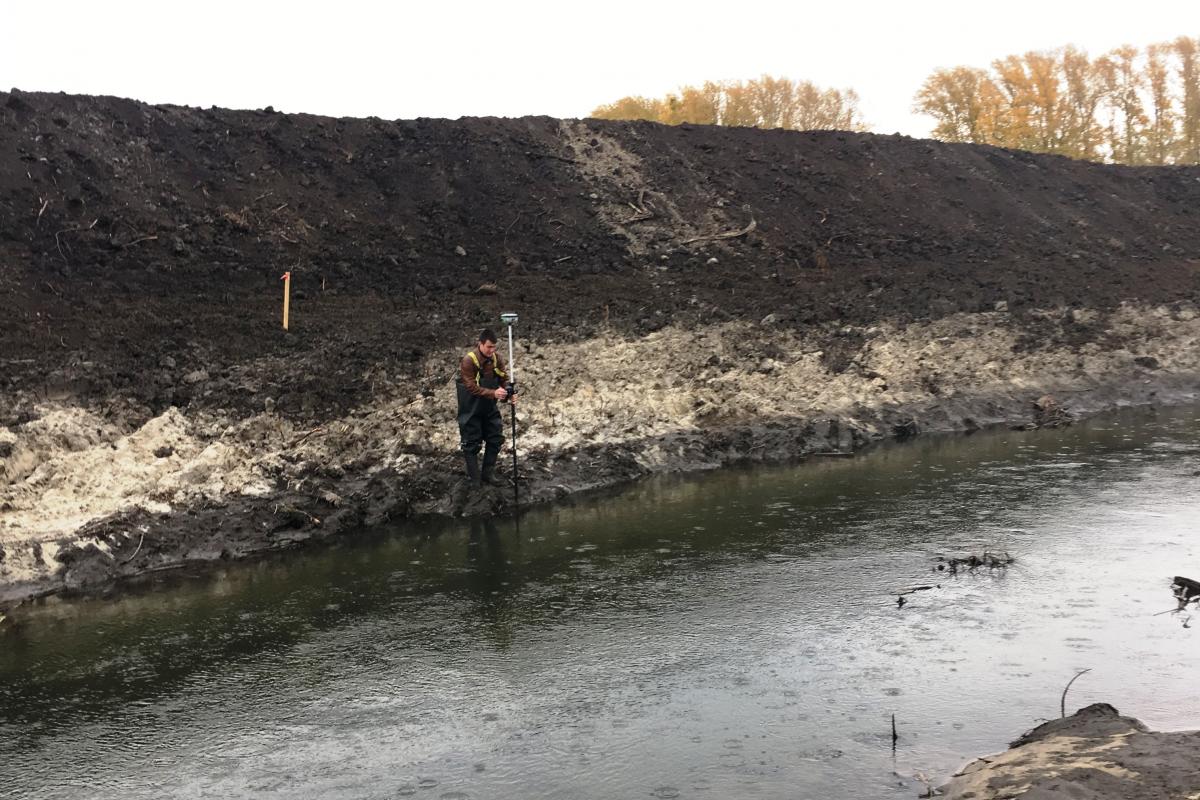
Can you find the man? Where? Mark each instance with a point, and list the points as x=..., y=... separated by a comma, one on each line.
x=481, y=384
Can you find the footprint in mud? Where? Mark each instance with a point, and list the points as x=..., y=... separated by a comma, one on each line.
x=665, y=792
x=426, y=783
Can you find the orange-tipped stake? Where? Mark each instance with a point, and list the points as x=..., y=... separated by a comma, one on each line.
x=287, y=296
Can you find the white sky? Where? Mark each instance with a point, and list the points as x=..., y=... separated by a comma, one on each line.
x=517, y=57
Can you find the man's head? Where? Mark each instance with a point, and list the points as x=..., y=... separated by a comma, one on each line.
x=487, y=342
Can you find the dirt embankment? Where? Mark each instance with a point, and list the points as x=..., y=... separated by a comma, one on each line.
x=689, y=297
x=1095, y=753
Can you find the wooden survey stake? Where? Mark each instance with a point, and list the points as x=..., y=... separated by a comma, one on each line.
x=287, y=296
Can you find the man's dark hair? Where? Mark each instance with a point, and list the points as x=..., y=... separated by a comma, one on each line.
x=488, y=335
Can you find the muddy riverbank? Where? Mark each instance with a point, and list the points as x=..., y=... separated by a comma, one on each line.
x=719, y=295
x=90, y=499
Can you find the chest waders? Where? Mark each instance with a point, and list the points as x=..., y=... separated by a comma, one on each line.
x=479, y=421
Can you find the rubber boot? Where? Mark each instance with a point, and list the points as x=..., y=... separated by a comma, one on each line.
x=490, y=456
x=472, y=460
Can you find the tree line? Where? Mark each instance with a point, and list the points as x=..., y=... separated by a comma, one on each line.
x=766, y=102
x=1129, y=106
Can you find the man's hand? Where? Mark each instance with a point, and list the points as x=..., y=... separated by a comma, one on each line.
x=501, y=394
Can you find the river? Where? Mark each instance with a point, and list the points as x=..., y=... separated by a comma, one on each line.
x=734, y=634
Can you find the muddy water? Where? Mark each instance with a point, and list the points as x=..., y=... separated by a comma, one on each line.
x=730, y=635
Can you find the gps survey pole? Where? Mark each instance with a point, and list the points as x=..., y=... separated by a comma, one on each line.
x=509, y=320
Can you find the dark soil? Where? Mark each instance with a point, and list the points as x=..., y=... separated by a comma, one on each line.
x=141, y=246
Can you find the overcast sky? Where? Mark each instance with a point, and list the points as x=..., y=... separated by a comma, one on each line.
x=511, y=57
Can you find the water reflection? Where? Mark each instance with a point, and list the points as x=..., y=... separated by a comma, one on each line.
x=492, y=580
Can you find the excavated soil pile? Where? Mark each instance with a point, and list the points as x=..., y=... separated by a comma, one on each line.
x=142, y=245
x=689, y=296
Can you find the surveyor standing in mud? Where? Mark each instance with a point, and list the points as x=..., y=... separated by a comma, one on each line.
x=481, y=384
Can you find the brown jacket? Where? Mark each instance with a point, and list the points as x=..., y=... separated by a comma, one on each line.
x=482, y=380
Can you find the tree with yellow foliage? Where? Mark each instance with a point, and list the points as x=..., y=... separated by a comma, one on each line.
x=964, y=101
x=1187, y=54
x=766, y=102
x=1128, y=106
x=1160, y=131
x=1084, y=91
x=631, y=108
x=699, y=106
x=737, y=106
x=1127, y=125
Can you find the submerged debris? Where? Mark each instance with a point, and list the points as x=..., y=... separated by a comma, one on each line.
x=1185, y=590
x=905, y=429
x=1049, y=413
x=972, y=562
x=900, y=601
